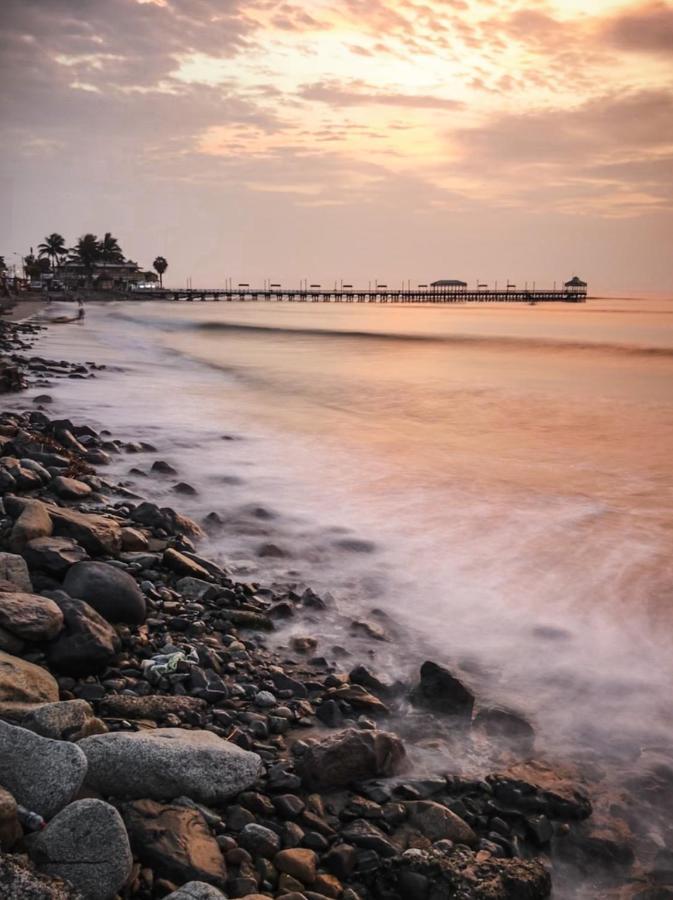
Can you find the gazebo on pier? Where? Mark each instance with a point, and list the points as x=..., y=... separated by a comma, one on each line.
x=449, y=285
x=576, y=287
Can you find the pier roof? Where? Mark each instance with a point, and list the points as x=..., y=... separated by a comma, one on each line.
x=449, y=282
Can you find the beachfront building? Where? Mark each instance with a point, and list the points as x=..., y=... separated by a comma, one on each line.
x=104, y=276
x=576, y=287
x=449, y=285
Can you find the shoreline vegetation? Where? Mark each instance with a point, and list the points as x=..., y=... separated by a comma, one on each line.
x=152, y=744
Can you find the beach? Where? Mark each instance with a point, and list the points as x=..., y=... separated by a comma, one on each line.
x=380, y=489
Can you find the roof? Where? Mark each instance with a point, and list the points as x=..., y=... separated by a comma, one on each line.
x=449, y=282
x=575, y=282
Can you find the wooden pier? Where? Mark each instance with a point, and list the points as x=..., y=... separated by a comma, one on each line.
x=370, y=295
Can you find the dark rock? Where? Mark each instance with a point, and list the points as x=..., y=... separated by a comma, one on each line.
x=505, y=725
x=440, y=691
x=109, y=590
x=259, y=840
x=163, y=467
x=349, y=756
x=87, y=644
x=68, y=720
x=54, y=555
x=364, y=834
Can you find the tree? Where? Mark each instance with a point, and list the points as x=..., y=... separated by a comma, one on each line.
x=160, y=265
x=3, y=264
x=110, y=251
x=53, y=247
x=35, y=266
x=86, y=252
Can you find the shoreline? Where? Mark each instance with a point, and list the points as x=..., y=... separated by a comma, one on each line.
x=329, y=786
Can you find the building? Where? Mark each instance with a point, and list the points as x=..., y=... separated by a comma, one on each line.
x=576, y=287
x=104, y=276
x=449, y=284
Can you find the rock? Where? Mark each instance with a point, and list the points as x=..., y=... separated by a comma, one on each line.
x=87, y=845
x=438, y=823
x=10, y=829
x=30, y=616
x=174, y=841
x=10, y=643
x=68, y=720
x=348, y=756
x=109, y=590
x=69, y=488
x=18, y=881
x=440, y=691
x=182, y=565
x=98, y=535
x=365, y=834
x=300, y=864
x=182, y=487
x=43, y=775
x=259, y=840
x=54, y=555
x=197, y=590
x=165, y=519
x=168, y=763
x=153, y=706
x=163, y=467
x=23, y=685
x=134, y=540
x=505, y=725
x=33, y=522
x=13, y=568
x=87, y=644
x=197, y=890
x=375, y=683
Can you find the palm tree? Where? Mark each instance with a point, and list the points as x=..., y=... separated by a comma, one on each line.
x=160, y=265
x=110, y=251
x=87, y=251
x=3, y=265
x=53, y=247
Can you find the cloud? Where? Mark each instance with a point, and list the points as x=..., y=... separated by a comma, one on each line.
x=358, y=93
x=647, y=29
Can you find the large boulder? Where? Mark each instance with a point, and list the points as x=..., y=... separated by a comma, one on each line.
x=442, y=692
x=30, y=616
x=174, y=841
x=109, y=590
x=54, y=555
x=87, y=845
x=43, y=775
x=68, y=720
x=98, y=535
x=13, y=569
x=168, y=763
x=348, y=756
x=33, y=521
x=23, y=685
x=87, y=644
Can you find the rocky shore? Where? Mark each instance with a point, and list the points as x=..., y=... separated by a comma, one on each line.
x=155, y=743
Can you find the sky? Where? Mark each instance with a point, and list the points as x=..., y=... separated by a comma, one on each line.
x=362, y=140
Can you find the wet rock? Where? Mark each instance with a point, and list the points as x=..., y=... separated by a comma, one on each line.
x=22, y=686
x=98, y=535
x=440, y=691
x=376, y=683
x=69, y=488
x=165, y=519
x=505, y=725
x=349, y=756
x=19, y=881
x=68, y=720
x=33, y=522
x=10, y=829
x=109, y=590
x=54, y=555
x=369, y=630
x=437, y=823
x=163, y=467
x=168, y=763
x=13, y=569
x=30, y=616
x=187, y=490
x=174, y=841
x=87, y=644
x=299, y=863
x=87, y=845
x=43, y=775
x=182, y=565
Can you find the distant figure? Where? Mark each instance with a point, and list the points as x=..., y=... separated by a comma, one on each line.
x=80, y=311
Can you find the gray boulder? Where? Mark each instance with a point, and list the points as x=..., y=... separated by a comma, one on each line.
x=87, y=644
x=87, y=845
x=54, y=555
x=68, y=720
x=196, y=890
x=168, y=763
x=13, y=568
x=109, y=590
x=30, y=616
x=43, y=775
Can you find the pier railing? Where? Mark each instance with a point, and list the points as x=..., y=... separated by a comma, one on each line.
x=371, y=295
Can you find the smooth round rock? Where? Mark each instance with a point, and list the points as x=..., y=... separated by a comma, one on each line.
x=30, y=616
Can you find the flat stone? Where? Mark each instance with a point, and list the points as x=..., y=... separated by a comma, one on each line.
x=348, y=756
x=134, y=540
x=87, y=644
x=23, y=685
x=30, y=616
x=153, y=706
x=13, y=568
x=182, y=565
x=169, y=763
x=54, y=555
x=98, y=535
x=43, y=775
x=438, y=823
x=109, y=590
x=87, y=845
x=68, y=720
x=174, y=841
x=69, y=488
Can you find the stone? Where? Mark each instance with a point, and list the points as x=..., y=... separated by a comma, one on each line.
x=33, y=521
x=374, y=682
x=87, y=845
x=30, y=617
x=299, y=863
x=438, y=823
x=168, y=763
x=182, y=565
x=68, y=720
x=10, y=829
x=365, y=834
x=198, y=890
x=98, y=535
x=69, y=488
x=440, y=691
x=23, y=685
x=54, y=555
x=43, y=775
x=19, y=881
x=506, y=726
x=87, y=644
x=10, y=643
x=165, y=519
x=259, y=840
x=348, y=756
x=197, y=590
x=109, y=590
x=152, y=706
x=174, y=841
x=134, y=540
x=13, y=568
